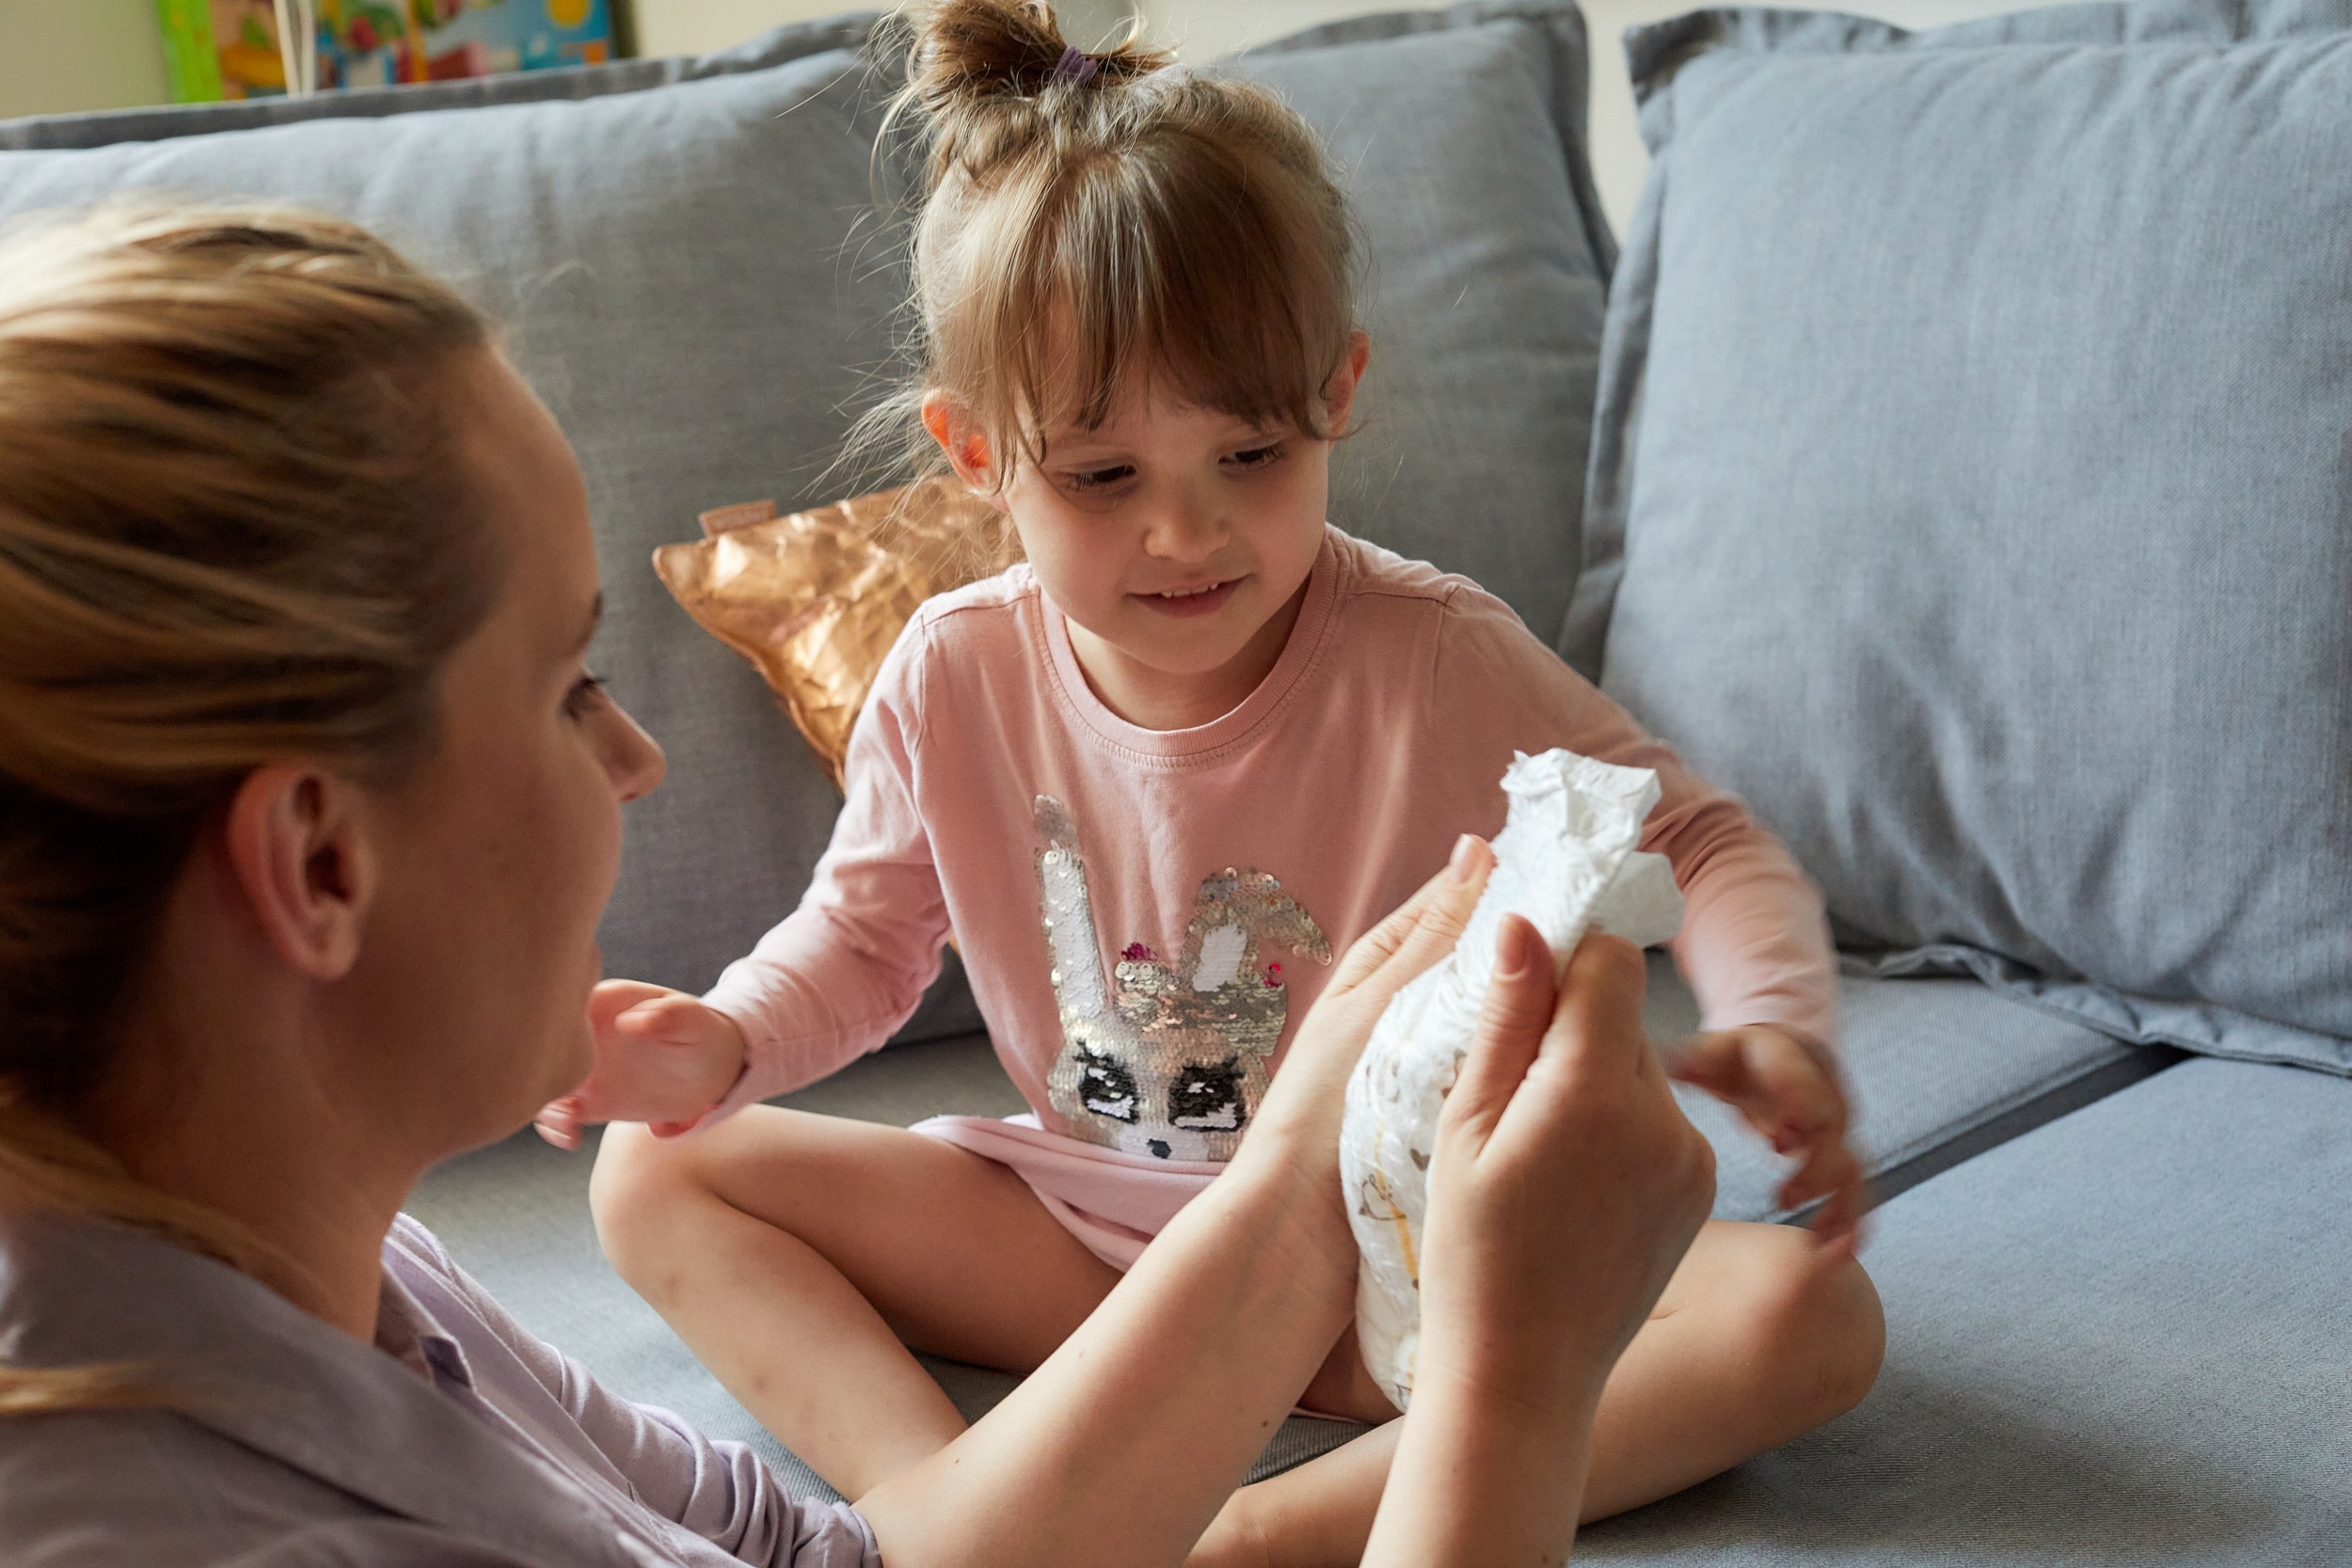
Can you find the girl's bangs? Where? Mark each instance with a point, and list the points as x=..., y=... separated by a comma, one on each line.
x=1204, y=293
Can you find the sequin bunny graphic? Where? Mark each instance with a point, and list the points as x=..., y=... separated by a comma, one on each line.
x=1160, y=1060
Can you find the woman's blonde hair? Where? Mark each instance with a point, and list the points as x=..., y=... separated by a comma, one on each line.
x=1091, y=217
x=231, y=532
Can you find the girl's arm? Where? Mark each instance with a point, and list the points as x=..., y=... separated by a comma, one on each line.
x=831, y=983
x=1755, y=943
x=838, y=976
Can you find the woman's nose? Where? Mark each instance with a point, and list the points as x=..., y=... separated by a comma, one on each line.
x=633, y=758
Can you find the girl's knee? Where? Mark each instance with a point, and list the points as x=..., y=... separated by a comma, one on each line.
x=635, y=1189
x=1819, y=1333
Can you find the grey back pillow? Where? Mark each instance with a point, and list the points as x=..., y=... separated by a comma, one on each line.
x=1970, y=489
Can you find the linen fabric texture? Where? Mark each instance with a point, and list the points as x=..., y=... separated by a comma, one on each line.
x=457, y=1440
x=2118, y=1339
x=698, y=265
x=1967, y=491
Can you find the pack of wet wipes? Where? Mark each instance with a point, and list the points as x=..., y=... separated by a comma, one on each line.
x=1568, y=861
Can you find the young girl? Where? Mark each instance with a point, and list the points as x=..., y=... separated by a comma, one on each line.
x=1153, y=780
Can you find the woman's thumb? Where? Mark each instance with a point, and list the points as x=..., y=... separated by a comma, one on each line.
x=1511, y=1024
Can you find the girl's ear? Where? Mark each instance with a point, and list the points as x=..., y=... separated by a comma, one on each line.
x=1338, y=393
x=952, y=426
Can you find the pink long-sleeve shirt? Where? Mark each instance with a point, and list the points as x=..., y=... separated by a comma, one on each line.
x=1146, y=915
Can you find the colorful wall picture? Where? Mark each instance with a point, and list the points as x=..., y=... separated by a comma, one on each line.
x=233, y=48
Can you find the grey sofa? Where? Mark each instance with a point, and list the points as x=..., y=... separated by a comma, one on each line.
x=1954, y=463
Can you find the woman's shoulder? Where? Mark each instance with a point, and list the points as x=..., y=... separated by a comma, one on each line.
x=172, y=1490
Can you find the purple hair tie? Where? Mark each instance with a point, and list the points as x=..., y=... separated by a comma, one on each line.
x=1075, y=66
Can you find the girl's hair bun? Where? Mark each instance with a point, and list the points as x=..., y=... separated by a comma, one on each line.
x=968, y=53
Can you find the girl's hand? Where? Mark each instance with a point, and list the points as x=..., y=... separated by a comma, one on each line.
x=662, y=1058
x=1791, y=1093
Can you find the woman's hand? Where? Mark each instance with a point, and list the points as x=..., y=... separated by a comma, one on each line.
x=1790, y=1092
x=662, y=1058
x=1566, y=1186
x=1299, y=1117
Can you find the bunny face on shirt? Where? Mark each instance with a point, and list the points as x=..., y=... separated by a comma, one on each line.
x=1175, y=540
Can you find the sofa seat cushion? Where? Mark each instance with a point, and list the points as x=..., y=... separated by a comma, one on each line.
x=1968, y=486
x=1938, y=1070
x=2120, y=1339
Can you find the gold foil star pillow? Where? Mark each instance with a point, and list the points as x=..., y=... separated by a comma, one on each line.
x=815, y=599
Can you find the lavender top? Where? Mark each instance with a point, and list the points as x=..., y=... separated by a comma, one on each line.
x=459, y=1440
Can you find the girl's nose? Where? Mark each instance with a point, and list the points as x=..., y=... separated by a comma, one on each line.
x=1189, y=529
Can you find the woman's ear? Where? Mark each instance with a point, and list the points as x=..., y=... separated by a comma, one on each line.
x=952, y=426
x=1338, y=393
x=298, y=839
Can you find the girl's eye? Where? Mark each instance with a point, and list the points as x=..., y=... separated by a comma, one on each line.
x=1258, y=457
x=584, y=694
x=1097, y=479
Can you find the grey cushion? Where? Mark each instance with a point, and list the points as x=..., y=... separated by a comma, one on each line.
x=1937, y=1070
x=1461, y=138
x=1968, y=489
x=2118, y=1340
x=687, y=254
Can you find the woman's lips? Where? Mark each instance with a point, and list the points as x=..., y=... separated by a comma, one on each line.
x=1185, y=605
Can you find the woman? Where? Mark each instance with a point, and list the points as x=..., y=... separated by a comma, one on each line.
x=308, y=809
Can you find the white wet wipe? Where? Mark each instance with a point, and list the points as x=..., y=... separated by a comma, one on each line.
x=1566, y=860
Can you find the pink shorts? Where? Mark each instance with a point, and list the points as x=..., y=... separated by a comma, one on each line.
x=1111, y=1201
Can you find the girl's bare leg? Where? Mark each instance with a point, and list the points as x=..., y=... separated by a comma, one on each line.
x=800, y=1256
x=1761, y=1335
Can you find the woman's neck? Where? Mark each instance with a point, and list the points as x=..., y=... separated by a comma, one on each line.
x=1156, y=699
x=216, y=1111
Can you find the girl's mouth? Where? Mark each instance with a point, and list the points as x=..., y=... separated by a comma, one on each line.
x=1185, y=603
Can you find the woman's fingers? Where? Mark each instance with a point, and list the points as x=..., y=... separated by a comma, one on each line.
x=1599, y=1024
x=1424, y=929
x=1511, y=1025
x=559, y=1123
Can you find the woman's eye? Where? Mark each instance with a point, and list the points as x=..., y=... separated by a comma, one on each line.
x=1097, y=479
x=1257, y=458
x=584, y=694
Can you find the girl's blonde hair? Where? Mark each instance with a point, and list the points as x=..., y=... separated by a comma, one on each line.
x=231, y=532
x=1091, y=217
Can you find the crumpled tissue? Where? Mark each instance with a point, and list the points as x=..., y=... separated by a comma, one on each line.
x=1566, y=860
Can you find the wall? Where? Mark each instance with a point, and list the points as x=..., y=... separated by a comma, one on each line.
x=691, y=27
x=60, y=55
